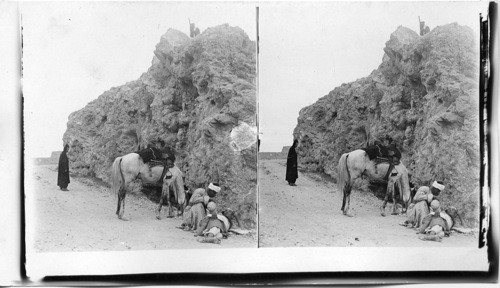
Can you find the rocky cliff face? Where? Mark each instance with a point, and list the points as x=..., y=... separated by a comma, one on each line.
x=198, y=97
x=425, y=96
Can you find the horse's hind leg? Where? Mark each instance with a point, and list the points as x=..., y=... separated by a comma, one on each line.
x=122, y=209
x=118, y=206
x=343, y=200
x=347, y=201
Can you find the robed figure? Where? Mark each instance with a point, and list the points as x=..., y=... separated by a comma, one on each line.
x=63, y=170
x=291, y=165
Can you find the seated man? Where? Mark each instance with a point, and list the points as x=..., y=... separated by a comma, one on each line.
x=419, y=208
x=195, y=211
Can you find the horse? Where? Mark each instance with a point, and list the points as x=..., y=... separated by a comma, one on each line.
x=357, y=163
x=127, y=168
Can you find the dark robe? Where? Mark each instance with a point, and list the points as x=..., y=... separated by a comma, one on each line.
x=63, y=170
x=291, y=165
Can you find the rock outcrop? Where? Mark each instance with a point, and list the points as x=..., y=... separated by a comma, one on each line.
x=425, y=96
x=199, y=97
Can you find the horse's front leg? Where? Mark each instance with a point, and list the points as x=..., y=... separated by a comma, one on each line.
x=169, y=205
x=394, y=202
x=158, y=210
x=382, y=208
x=386, y=198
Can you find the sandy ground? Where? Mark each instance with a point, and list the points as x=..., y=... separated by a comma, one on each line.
x=309, y=215
x=83, y=219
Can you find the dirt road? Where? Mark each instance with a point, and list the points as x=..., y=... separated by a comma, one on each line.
x=83, y=219
x=309, y=215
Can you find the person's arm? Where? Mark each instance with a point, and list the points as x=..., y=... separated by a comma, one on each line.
x=421, y=194
x=198, y=196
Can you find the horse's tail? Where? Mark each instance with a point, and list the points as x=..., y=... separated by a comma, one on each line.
x=343, y=177
x=117, y=176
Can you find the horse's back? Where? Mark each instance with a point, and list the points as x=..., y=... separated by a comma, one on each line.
x=131, y=162
x=131, y=158
x=357, y=159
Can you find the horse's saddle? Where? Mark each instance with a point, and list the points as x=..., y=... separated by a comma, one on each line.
x=154, y=163
x=381, y=154
x=149, y=154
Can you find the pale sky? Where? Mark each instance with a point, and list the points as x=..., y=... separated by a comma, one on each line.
x=75, y=51
x=306, y=50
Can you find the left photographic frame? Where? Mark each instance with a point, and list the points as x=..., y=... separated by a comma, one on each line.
x=156, y=106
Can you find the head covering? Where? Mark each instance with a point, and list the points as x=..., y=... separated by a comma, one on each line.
x=438, y=186
x=214, y=187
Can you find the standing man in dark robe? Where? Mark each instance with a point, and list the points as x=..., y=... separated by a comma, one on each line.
x=291, y=165
x=63, y=170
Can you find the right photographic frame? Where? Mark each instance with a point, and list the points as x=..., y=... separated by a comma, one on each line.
x=370, y=124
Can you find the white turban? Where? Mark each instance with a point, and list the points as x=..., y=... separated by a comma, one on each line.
x=438, y=186
x=211, y=186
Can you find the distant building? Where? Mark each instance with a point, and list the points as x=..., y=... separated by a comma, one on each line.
x=275, y=155
x=285, y=149
x=53, y=159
